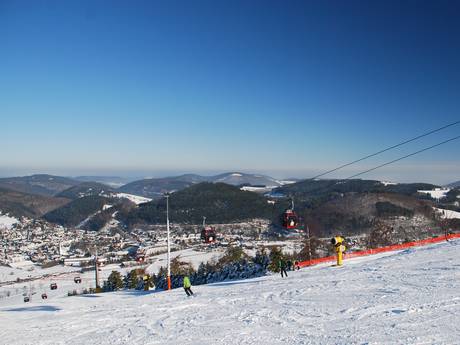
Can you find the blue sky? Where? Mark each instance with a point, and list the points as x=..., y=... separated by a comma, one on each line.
x=287, y=88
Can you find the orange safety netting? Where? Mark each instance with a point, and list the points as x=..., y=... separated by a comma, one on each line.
x=380, y=250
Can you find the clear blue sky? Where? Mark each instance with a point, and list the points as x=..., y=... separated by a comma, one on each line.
x=287, y=88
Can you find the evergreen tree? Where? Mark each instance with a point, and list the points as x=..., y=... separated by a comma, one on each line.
x=275, y=256
x=114, y=282
x=232, y=254
x=262, y=258
x=132, y=279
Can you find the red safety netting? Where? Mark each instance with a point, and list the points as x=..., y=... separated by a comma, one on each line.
x=380, y=250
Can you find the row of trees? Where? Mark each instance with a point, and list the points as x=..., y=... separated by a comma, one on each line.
x=234, y=264
x=136, y=279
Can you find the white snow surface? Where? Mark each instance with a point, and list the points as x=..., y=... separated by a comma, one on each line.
x=257, y=189
x=26, y=269
x=195, y=258
x=6, y=222
x=437, y=193
x=134, y=198
x=405, y=297
x=448, y=214
x=388, y=183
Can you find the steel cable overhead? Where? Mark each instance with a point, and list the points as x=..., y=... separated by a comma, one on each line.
x=404, y=157
x=337, y=181
x=388, y=149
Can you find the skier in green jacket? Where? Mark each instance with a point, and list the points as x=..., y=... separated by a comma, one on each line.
x=187, y=286
x=282, y=267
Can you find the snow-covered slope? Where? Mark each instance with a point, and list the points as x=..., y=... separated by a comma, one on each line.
x=437, y=193
x=134, y=198
x=447, y=214
x=408, y=297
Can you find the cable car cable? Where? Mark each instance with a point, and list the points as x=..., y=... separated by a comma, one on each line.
x=384, y=164
x=403, y=157
x=387, y=149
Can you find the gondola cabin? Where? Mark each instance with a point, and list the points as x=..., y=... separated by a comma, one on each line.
x=26, y=299
x=44, y=296
x=53, y=286
x=208, y=234
x=290, y=219
x=140, y=258
x=77, y=280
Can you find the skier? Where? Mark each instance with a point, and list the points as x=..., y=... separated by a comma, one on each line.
x=282, y=267
x=296, y=265
x=289, y=265
x=187, y=286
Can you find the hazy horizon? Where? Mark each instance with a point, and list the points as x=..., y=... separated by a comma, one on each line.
x=446, y=174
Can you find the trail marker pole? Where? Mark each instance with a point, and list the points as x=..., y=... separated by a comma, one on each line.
x=168, y=277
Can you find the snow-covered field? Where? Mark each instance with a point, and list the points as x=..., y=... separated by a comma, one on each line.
x=448, y=214
x=134, y=198
x=6, y=222
x=195, y=258
x=437, y=193
x=406, y=297
x=26, y=269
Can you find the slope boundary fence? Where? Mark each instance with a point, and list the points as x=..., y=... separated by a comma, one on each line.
x=379, y=250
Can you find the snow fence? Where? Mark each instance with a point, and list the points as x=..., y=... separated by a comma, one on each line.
x=381, y=249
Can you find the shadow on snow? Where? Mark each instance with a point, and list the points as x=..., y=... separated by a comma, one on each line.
x=35, y=308
x=234, y=282
x=140, y=292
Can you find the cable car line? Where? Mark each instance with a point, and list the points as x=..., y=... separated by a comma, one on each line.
x=337, y=181
x=387, y=149
x=403, y=157
x=290, y=219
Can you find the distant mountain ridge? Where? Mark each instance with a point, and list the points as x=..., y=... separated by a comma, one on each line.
x=21, y=204
x=155, y=187
x=41, y=184
x=309, y=189
x=348, y=206
x=85, y=189
x=112, y=181
x=454, y=184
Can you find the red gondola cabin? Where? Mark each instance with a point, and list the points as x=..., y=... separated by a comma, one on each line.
x=290, y=219
x=208, y=234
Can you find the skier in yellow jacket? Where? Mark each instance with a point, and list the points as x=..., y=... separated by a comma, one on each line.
x=187, y=286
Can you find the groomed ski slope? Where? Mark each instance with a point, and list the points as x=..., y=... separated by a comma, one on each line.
x=407, y=297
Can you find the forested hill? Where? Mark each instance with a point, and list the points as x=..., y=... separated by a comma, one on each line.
x=318, y=189
x=85, y=189
x=219, y=202
x=19, y=204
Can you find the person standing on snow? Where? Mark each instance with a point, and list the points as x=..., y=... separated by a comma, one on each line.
x=187, y=286
x=289, y=265
x=282, y=267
